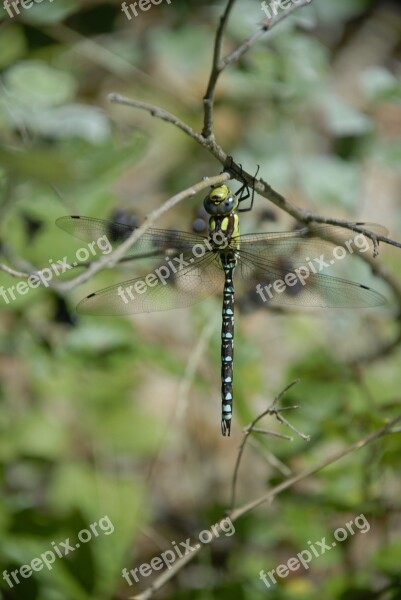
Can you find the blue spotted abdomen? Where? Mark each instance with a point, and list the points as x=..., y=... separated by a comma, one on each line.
x=228, y=262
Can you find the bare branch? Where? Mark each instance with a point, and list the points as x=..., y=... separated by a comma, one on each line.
x=266, y=26
x=13, y=272
x=273, y=433
x=218, y=64
x=157, y=112
x=270, y=458
x=112, y=258
x=272, y=409
x=387, y=429
x=208, y=100
x=193, y=361
x=261, y=186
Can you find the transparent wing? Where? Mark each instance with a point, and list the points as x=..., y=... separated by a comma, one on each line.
x=284, y=268
x=303, y=245
x=159, y=290
x=154, y=242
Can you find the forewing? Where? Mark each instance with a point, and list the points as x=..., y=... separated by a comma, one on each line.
x=302, y=245
x=154, y=242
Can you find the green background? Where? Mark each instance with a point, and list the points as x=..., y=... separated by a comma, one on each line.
x=121, y=416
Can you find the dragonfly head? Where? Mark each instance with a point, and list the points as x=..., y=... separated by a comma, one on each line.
x=220, y=201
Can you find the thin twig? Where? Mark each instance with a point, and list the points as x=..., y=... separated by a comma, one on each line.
x=208, y=99
x=269, y=497
x=218, y=64
x=266, y=26
x=271, y=458
x=273, y=433
x=159, y=113
x=183, y=392
x=386, y=429
x=284, y=421
x=248, y=430
x=117, y=255
x=13, y=272
x=193, y=361
x=112, y=258
x=260, y=186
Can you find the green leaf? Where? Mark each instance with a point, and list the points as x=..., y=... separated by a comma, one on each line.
x=343, y=119
x=379, y=84
x=72, y=120
x=34, y=83
x=99, y=337
x=331, y=181
x=42, y=165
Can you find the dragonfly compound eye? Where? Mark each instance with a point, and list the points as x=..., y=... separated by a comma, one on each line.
x=220, y=201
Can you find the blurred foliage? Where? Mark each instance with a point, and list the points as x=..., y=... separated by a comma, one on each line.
x=120, y=417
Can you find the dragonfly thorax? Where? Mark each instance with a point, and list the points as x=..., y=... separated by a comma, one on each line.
x=220, y=201
x=224, y=231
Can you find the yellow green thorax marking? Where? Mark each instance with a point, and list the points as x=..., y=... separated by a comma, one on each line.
x=228, y=226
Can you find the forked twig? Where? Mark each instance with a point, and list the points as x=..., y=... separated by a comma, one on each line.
x=269, y=496
x=271, y=410
x=208, y=100
x=266, y=26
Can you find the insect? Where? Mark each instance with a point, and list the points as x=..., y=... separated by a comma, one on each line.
x=282, y=267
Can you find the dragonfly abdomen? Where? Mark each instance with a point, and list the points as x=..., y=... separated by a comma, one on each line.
x=228, y=262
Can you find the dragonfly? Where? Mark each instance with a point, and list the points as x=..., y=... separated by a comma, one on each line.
x=282, y=268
